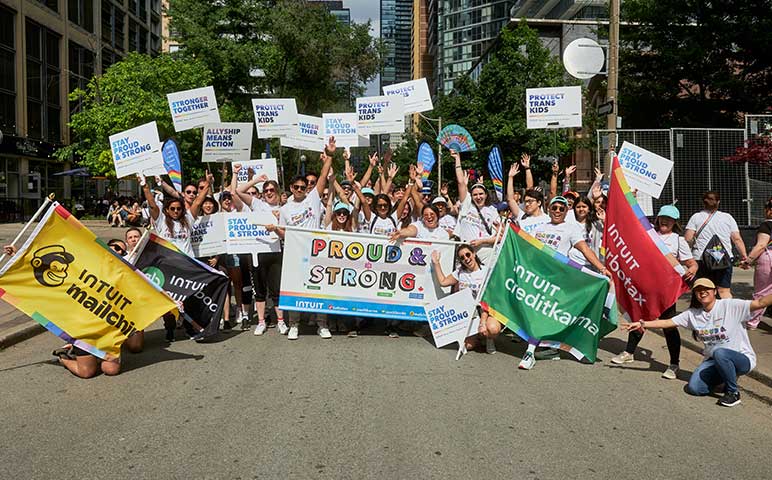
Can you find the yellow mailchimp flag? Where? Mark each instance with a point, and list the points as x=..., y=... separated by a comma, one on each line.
x=73, y=285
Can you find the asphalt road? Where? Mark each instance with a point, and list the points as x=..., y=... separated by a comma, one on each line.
x=370, y=407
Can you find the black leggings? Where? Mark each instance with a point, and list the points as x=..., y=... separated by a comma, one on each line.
x=672, y=338
x=266, y=277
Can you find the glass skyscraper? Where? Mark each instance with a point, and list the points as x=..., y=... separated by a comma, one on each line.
x=396, y=26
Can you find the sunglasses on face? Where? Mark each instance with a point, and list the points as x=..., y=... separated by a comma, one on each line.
x=300, y=188
x=268, y=190
x=558, y=208
x=382, y=205
x=342, y=213
x=190, y=192
x=253, y=192
x=530, y=200
x=175, y=209
x=464, y=256
x=201, y=187
x=311, y=182
x=118, y=249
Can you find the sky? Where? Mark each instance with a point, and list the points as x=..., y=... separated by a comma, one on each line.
x=361, y=11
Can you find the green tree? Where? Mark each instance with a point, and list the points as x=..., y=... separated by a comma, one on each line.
x=130, y=93
x=694, y=63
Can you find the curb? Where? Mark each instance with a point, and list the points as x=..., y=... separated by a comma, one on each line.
x=691, y=345
x=20, y=333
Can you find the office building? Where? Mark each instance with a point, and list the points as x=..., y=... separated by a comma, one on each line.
x=396, y=28
x=337, y=9
x=48, y=48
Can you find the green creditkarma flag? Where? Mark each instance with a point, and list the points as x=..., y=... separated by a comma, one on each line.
x=547, y=298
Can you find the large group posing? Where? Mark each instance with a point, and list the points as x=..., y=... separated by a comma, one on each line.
x=373, y=203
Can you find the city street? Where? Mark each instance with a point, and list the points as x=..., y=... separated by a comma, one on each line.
x=368, y=407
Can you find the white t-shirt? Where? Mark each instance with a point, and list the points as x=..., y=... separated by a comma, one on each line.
x=305, y=214
x=180, y=236
x=448, y=222
x=471, y=280
x=530, y=224
x=258, y=205
x=721, y=224
x=381, y=226
x=677, y=246
x=469, y=226
x=437, y=233
x=561, y=236
x=722, y=327
x=593, y=239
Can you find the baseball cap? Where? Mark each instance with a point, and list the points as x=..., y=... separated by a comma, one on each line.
x=571, y=194
x=704, y=283
x=368, y=191
x=669, y=211
x=559, y=198
x=341, y=206
x=426, y=190
x=345, y=183
x=439, y=200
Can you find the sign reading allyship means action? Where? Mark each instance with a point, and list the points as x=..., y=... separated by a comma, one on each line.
x=193, y=108
x=554, y=107
x=226, y=142
x=383, y=114
x=357, y=274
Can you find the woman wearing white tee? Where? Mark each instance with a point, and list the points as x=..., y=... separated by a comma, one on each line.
x=477, y=223
x=532, y=214
x=720, y=325
x=174, y=222
x=427, y=227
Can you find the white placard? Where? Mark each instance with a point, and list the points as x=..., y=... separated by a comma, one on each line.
x=193, y=108
x=265, y=166
x=343, y=126
x=226, y=142
x=646, y=203
x=415, y=93
x=308, y=135
x=449, y=317
x=645, y=171
x=137, y=150
x=208, y=236
x=275, y=117
x=245, y=233
x=554, y=107
x=382, y=114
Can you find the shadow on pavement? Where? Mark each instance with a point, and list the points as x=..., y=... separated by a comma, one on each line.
x=155, y=351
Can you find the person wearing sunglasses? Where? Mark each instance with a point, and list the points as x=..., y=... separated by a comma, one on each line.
x=478, y=222
x=118, y=246
x=174, y=222
x=531, y=215
x=428, y=227
x=303, y=210
x=447, y=221
x=470, y=273
x=560, y=236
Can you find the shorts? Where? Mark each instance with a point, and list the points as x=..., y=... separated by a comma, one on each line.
x=722, y=278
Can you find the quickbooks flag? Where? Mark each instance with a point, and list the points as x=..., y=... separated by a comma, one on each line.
x=647, y=276
x=75, y=286
x=547, y=299
x=201, y=289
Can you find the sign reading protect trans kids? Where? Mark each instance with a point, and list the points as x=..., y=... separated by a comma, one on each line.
x=193, y=108
x=415, y=93
x=554, y=107
x=275, y=117
x=383, y=114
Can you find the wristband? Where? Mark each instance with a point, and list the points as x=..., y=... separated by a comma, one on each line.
x=526, y=168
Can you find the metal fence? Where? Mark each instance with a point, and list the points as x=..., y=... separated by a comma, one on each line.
x=698, y=166
x=759, y=176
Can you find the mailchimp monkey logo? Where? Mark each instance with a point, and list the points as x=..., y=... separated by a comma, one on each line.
x=50, y=265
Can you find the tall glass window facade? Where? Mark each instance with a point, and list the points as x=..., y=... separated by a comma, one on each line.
x=396, y=29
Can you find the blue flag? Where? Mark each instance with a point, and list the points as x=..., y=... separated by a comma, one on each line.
x=172, y=163
x=426, y=158
x=495, y=171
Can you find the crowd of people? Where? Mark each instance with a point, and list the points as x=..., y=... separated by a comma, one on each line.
x=374, y=203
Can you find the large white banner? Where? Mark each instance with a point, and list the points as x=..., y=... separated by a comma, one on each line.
x=246, y=233
x=358, y=274
x=553, y=107
x=193, y=108
x=307, y=136
x=415, y=93
x=275, y=117
x=450, y=318
x=644, y=170
x=208, y=236
x=382, y=114
x=343, y=126
x=264, y=166
x=227, y=142
x=137, y=150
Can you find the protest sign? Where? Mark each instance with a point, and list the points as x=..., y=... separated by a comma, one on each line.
x=343, y=126
x=275, y=117
x=415, y=93
x=246, y=233
x=76, y=287
x=450, y=316
x=202, y=290
x=645, y=171
x=554, y=107
x=137, y=150
x=208, y=236
x=307, y=136
x=264, y=166
x=226, y=142
x=358, y=274
x=647, y=276
x=546, y=298
x=193, y=108
x=380, y=115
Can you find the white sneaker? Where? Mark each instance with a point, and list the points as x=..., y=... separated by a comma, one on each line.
x=324, y=332
x=293, y=333
x=671, y=372
x=260, y=328
x=623, y=357
x=282, y=327
x=490, y=346
x=527, y=362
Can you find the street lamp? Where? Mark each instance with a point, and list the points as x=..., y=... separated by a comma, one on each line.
x=439, y=147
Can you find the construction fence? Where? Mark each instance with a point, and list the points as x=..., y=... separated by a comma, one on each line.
x=698, y=166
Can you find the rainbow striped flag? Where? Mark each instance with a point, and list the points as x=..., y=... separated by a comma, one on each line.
x=548, y=299
x=495, y=171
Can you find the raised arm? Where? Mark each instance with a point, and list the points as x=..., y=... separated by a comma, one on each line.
x=554, y=181
x=196, y=206
x=237, y=202
x=151, y=205
x=328, y=211
x=393, y=169
x=525, y=160
x=461, y=177
x=168, y=189
x=514, y=208
x=567, y=179
x=372, y=162
x=404, y=199
x=326, y=158
x=442, y=279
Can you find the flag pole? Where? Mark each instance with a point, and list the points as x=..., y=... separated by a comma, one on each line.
x=48, y=200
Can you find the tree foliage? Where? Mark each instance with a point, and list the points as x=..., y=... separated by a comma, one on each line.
x=130, y=93
x=694, y=63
